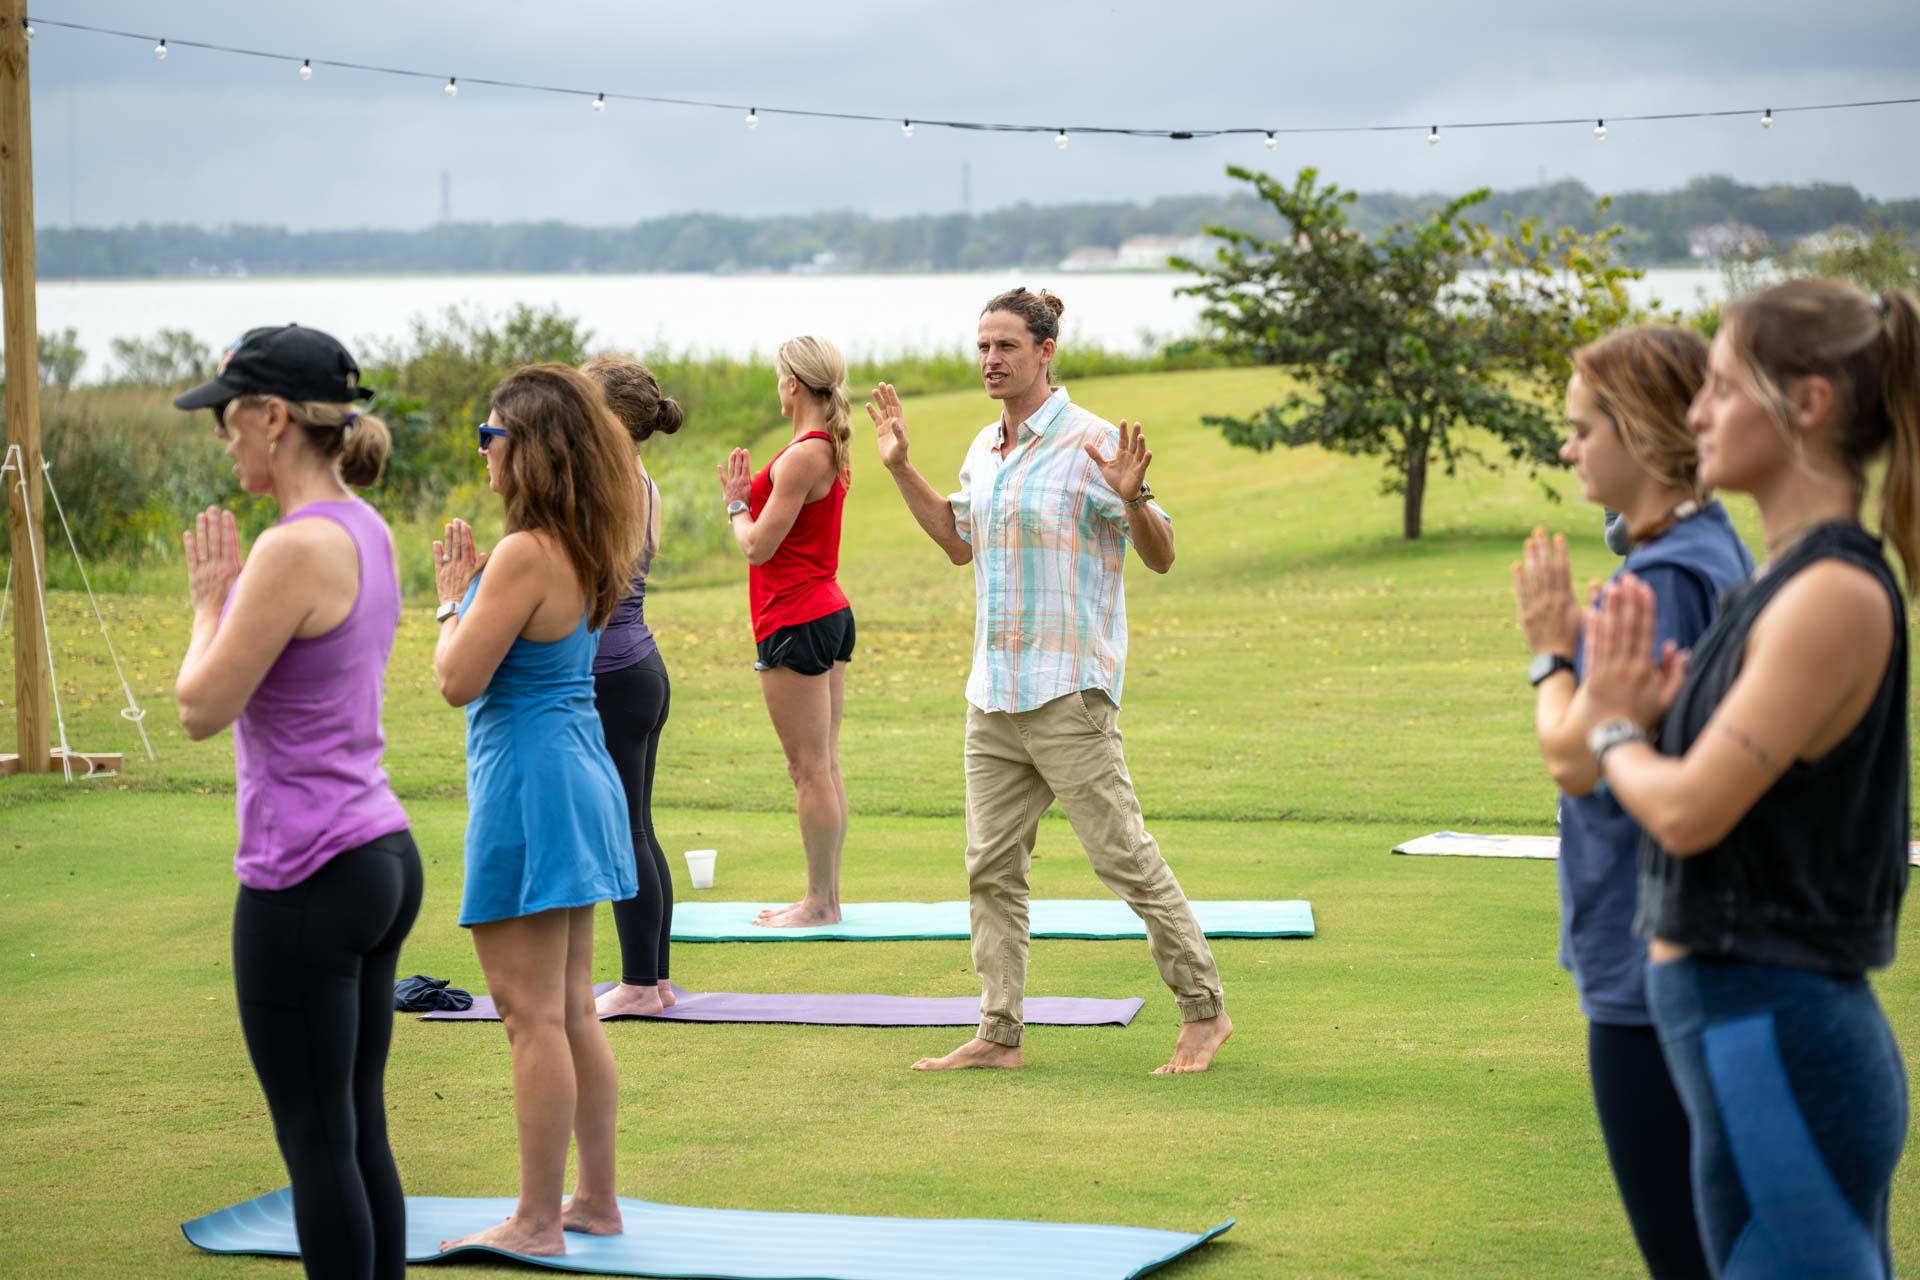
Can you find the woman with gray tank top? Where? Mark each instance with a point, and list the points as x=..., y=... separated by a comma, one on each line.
x=631, y=691
x=290, y=647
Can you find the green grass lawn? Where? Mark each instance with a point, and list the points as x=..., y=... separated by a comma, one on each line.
x=1405, y=1094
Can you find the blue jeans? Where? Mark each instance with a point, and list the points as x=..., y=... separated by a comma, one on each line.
x=1797, y=1099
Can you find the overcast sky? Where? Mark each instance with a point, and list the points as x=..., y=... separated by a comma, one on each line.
x=210, y=138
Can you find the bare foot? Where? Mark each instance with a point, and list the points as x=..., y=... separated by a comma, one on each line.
x=667, y=998
x=974, y=1053
x=579, y=1214
x=515, y=1236
x=801, y=915
x=1197, y=1044
x=629, y=1001
x=774, y=911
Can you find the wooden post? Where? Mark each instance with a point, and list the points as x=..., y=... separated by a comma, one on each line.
x=31, y=682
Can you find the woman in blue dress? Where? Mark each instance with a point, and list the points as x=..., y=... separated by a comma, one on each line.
x=547, y=831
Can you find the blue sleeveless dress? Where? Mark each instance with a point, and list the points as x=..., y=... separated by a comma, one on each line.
x=547, y=821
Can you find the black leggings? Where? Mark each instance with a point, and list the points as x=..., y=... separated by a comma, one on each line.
x=633, y=709
x=1648, y=1145
x=314, y=967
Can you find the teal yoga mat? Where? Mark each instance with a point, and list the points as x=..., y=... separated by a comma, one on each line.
x=674, y=1243
x=1092, y=918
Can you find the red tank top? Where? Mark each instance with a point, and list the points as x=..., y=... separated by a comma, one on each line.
x=796, y=584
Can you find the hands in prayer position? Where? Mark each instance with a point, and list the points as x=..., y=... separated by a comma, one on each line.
x=213, y=559
x=456, y=560
x=736, y=477
x=1623, y=678
x=1550, y=617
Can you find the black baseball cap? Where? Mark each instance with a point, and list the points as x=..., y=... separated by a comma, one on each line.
x=281, y=360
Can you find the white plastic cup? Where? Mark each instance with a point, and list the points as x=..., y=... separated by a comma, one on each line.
x=700, y=867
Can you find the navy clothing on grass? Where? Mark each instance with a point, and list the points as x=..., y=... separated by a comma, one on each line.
x=1689, y=567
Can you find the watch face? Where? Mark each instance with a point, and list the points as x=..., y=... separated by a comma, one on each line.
x=1544, y=665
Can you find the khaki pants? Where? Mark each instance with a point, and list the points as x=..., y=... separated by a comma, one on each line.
x=1017, y=764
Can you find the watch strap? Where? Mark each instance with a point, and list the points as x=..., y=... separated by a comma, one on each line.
x=1608, y=734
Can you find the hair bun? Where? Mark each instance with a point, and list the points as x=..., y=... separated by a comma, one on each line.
x=668, y=420
x=1054, y=304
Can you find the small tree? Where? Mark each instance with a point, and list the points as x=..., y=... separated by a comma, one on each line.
x=170, y=358
x=1879, y=259
x=61, y=357
x=1396, y=352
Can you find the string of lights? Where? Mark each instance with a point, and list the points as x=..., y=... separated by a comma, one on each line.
x=598, y=100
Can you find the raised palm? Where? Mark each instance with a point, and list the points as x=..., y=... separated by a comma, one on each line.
x=889, y=426
x=1126, y=470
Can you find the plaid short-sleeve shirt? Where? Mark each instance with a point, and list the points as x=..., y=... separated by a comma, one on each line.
x=1049, y=538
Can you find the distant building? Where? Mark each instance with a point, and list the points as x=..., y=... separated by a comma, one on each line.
x=1725, y=240
x=825, y=262
x=1090, y=257
x=1841, y=236
x=1150, y=253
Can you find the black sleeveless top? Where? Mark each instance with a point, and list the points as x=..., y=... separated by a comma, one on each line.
x=1813, y=874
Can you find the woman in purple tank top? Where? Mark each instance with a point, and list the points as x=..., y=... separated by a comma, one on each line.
x=632, y=694
x=290, y=647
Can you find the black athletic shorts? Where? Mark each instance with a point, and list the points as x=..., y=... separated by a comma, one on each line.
x=810, y=648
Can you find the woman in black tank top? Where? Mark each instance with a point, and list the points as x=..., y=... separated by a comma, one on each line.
x=1776, y=801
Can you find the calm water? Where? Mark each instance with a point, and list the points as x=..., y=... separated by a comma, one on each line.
x=874, y=315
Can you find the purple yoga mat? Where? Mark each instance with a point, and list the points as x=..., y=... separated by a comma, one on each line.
x=851, y=1011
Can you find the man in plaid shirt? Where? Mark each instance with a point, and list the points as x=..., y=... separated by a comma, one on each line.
x=1044, y=515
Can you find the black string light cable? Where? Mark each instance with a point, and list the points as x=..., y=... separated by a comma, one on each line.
x=599, y=99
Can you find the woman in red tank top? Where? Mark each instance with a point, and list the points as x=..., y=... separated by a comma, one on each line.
x=786, y=519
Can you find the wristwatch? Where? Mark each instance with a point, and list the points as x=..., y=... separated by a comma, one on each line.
x=1609, y=734
x=446, y=610
x=1146, y=493
x=735, y=507
x=1545, y=666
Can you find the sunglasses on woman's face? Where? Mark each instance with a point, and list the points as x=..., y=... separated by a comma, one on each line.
x=488, y=434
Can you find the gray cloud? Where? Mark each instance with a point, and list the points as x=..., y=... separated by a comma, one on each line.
x=207, y=138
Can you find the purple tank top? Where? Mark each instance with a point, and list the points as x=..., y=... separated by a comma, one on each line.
x=626, y=639
x=307, y=749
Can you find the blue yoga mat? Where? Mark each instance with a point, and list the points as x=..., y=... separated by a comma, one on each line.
x=1093, y=918
x=675, y=1243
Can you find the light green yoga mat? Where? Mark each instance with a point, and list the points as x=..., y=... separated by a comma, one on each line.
x=1091, y=918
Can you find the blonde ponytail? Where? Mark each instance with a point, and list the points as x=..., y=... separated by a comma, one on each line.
x=357, y=443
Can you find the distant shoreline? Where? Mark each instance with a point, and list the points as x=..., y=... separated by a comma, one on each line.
x=269, y=277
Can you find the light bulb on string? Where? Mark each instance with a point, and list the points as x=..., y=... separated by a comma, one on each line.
x=1433, y=136
x=1270, y=140
x=1599, y=130
x=1060, y=139
x=906, y=128
x=600, y=102
x=453, y=87
x=753, y=118
x=1766, y=118
x=306, y=68
x=160, y=52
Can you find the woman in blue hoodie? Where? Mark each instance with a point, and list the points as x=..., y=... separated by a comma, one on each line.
x=1629, y=444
